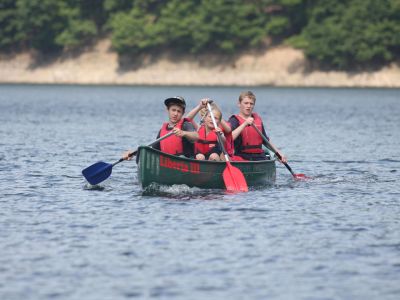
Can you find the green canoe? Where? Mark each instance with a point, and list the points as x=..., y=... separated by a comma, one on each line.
x=158, y=167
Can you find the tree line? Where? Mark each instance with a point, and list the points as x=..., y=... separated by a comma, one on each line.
x=337, y=34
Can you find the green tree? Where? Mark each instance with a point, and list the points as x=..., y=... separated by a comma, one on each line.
x=186, y=25
x=337, y=33
x=49, y=25
x=39, y=22
x=81, y=19
x=9, y=28
x=350, y=33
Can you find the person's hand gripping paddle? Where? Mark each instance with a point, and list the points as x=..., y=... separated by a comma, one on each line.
x=295, y=176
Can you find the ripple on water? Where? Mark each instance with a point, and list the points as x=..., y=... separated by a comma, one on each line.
x=181, y=192
x=334, y=236
x=96, y=187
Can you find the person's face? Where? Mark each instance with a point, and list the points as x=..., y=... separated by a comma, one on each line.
x=246, y=106
x=175, y=113
x=208, y=120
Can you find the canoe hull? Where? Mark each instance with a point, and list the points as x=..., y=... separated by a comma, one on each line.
x=157, y=167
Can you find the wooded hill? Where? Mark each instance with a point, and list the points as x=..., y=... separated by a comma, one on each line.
x=335, y=34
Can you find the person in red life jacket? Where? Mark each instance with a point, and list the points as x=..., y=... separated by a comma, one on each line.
x=182, y=142
x=247, y=142
x=207, y=146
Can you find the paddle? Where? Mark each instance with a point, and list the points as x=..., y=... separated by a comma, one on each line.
x=296, y=176
x=100, y=171
x=233, y=178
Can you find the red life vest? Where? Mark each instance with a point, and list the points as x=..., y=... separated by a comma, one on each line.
x=251, y=140
x=229, y=146
x=208, y=141
x=173, y=144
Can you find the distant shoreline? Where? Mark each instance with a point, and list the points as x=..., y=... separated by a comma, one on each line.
x=276, y=67
x=197, y=85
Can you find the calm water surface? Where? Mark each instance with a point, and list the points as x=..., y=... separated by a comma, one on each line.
x=336, y=236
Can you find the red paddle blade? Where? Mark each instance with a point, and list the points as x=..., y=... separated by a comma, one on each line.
x=300, y=177
x=234, y=179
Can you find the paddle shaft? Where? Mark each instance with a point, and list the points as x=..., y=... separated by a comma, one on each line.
x=149, y=145
x=272, y=149
x=221, y=143
x=100, y=171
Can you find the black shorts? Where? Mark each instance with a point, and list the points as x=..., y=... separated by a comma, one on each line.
x=217, y=149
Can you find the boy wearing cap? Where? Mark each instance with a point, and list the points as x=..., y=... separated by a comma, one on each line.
x=182, y=142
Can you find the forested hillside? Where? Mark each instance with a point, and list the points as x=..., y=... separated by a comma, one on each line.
x=336, y=34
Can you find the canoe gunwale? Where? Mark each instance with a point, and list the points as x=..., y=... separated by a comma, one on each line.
x=205, y=162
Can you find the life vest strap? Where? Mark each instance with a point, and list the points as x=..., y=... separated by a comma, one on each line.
x=200, y=141
x=251, y=147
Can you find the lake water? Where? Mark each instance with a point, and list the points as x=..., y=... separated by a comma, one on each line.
x=335, y=236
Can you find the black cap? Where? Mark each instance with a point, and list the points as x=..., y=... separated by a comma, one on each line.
x=178, y=100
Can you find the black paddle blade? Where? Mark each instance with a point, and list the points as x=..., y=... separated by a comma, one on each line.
x=97, y=172
x=234, y=179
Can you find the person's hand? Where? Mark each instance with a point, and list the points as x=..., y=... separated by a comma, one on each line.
x=204, y=101
x=126, y=156
x=283, y=158
x=249, y=121
x=178, y=132
x=218, y=130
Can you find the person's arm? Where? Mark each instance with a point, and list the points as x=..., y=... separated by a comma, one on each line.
x=191, y=114
x=264, y=133
x=157, y=146
x=191, y=136
x=188, y=132
x=274, y=148
x=233, y=123
x=225, y=126
x=239, y=129
x=283, y=157
x=220, y=132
